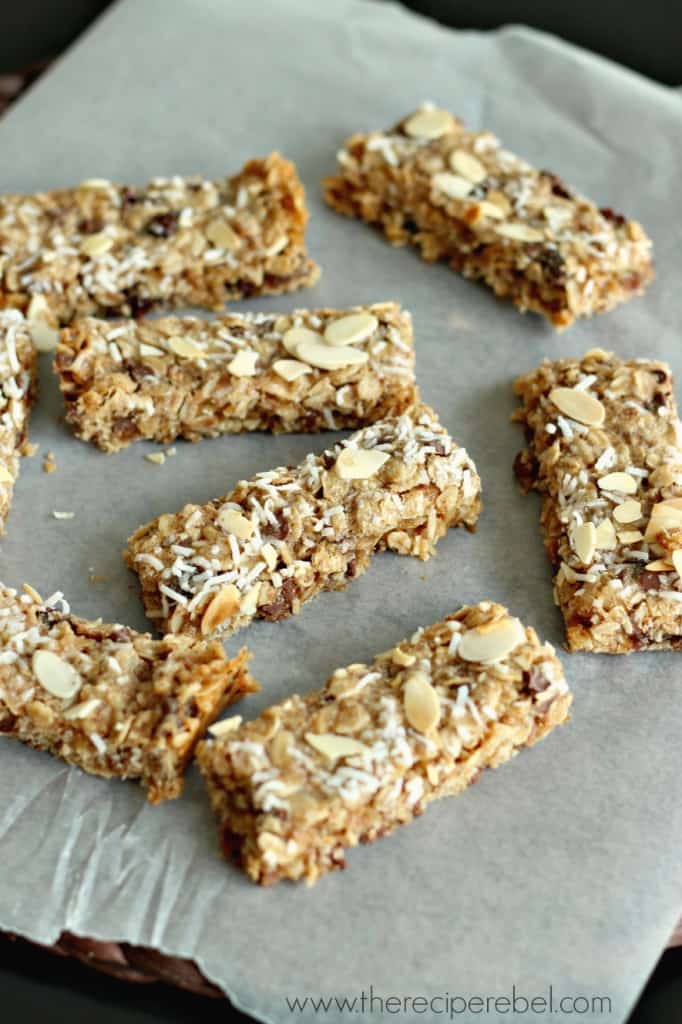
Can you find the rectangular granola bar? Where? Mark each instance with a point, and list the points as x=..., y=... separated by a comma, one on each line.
x=605, y=451
x=184, y=377
x=350, y=762
x=105, y=698
x=285, y=535
x=107, y=249
x=462, y=198
x=18, y=384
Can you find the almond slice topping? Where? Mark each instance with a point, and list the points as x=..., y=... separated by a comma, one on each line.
x=45, y=337
x=429, y=123
x=584, y=539
x=186, y=348
x=223, y=606
x=226, y=726
x=222, y=235
x=330, y=357
x=676, y=559
x=630, y=536
x=421, y=703
x=520, y=232
x=244, y=364
x=628, y=511
x=659, y=565
x=55, y=675
x=360, y=463
x=468, y=165
x=5, y=476
x=269, y=554
x=452, y=185
x=96, y=245
x=605, y=535
x=622, y=482
x=292, y=338
x=492, y=210
x=491, y=642
x=234, y=522
x=579, y=406
x=333, y=747
x=290, y=369
x=665, y=515
x=351, y=329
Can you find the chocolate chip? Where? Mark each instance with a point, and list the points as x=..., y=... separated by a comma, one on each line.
x=124, y=428
x=137, y=304
x=328, y=460
x=649, y=580
x=138, y=371
x=550, y=260
x=90, y=226
x=616, y=218
x=163, y=225
x=535, y=680
x=352, y=568
x=526, y=468
x=121, y=636
x=557, y=185
x=281, y=606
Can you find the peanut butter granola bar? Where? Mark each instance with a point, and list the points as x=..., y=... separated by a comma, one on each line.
x=285, y=535
x=605, y=450
x=350, y=762
x=105, y=698
x=18, y=383
x=184, y=377
x=109, y=249
x=462, y=198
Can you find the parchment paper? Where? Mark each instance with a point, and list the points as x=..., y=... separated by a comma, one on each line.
x=562, y=868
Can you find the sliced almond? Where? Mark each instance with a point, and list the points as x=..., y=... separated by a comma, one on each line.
x=628, y=511
x=584, y=540
x=360, y=463
x=557, y=216
x=330, y=357
x=95, y=183
x=665, y=515
x=468, y=165
x=55, y=675
x=5, y=476
x=400, y=657
x=452, y=185
x=249, y=601
x=605, y=535
x=349, y=330
x=290, y=369
x=226, y=726
x=622, y=482
x=269, y=554
x=186, y=348
x=224, y=605
x=676, y=559
x=96, y=245
x=659, y=565
x=578, y=405
x=333, y=747
x=292, y=338
x=491, y=210
x=221, y=234
x=491, y=642
x=421, y=703
x=244, y=364
x=150, y=350
x=630, y=536
x=232, y=521
x=158, y=458
x=520, y=232
x=429, y=123
x=44, y=335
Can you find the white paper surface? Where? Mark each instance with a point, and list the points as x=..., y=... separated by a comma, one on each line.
x=561, y=868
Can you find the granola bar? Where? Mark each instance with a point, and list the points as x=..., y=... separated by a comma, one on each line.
x=350, y=762
x=105, y=698
x=18, y=383
x=605, y=451
x=462, y=198
x=285, y=535
x=181, y=376
x=107, y=249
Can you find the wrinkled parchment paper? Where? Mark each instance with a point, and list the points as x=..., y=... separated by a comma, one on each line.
x=560, y=869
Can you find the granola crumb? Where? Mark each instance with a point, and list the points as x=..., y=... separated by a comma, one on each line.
x=49, y=463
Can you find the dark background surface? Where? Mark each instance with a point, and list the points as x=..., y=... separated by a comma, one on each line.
x=36, y=985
